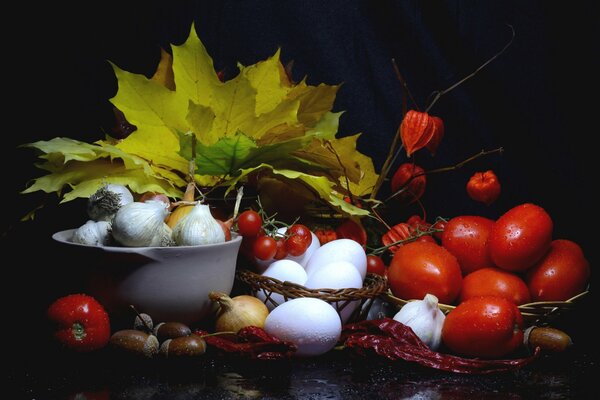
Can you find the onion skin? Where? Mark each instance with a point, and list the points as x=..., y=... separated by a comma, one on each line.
x=238, y=312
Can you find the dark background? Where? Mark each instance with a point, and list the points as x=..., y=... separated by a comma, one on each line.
x=537, y=100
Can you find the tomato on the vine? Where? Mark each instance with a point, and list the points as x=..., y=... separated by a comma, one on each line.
x=488, y=326
x=281, y=252
x=375, y=265
x=249, y=223
x=264, y=247
x=561, y=274
x=520, y=237
x=298, y=240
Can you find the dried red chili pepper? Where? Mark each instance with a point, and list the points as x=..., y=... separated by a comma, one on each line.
x=252, y=342
x=350, y=229
x=394, y=340
x=484, y=187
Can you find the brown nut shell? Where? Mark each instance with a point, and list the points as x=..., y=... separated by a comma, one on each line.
x=548, y=339
x=135, y=342
x=171, y=330
x=143, y=322
x=184, y=346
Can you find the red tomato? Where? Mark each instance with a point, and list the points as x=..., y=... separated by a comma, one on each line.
x=520, y=237
x=298, y=240
x=419, y=268
x=494, y=282
x=466, y=237
x=82, y=323
x=426, y=238
x=413, y=189
x=375, y=265
x=264, y=248
x=489, y=327
x=439, y=224
x=561, y=274
x=281, y=251
x=350, y=229
x=484, y=187
x=249, y=223
x=416, y=222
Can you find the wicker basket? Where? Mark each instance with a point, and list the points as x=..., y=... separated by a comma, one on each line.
x=373, y=287
x=538, y=313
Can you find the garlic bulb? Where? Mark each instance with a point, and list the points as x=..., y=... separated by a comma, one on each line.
x=141, y=224
x=425, y=318
x=103, y=205
x=93, y=233
x=198, y=227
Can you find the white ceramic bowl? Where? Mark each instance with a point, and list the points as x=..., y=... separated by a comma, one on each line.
x=168, y=283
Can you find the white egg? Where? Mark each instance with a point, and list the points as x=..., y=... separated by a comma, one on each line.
x=262, y=265
x=339, y=250
x=337, y=275
x=284, y=270
x=311, y=324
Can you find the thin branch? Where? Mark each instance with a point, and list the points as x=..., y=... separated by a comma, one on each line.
x=440, y=93
x=405, y=90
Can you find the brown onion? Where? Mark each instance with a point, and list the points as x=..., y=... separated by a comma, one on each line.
x=238, y=312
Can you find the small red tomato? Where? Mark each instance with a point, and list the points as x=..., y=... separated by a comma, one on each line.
x=281, y=252
x=413, y=187
x=325, y=235
x=418, y=223
x=561, y=274
x=426, y=238
x=489, y=327
x=484, y=187
x=494, y=282
x=82, y=324
x=249, y=223
x=419, y=268
x=401, y=231
x=264, y=247
x=467, y=238
x=375, y=265
x=520, y=237
x=350, y=229
x=298, y=240
x=441, y=225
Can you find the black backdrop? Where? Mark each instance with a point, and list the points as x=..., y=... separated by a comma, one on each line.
x=536, y=100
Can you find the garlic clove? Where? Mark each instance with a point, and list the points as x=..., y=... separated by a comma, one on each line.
x=93, y=233
x=141, y=224
x=198, y=227
x=106, y=201
x=425, y=318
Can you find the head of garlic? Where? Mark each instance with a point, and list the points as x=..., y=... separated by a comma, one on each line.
x=425, y=318
x=104, y=204
x=141, y=224
x=198, y=227
x=93, y=233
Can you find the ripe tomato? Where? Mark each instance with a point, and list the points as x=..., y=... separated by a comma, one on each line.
x=484, y=187
x=249, y=223
x=466, y=237
x=350, y=229
x=419, y=268
x=489, y=327
x=264, y=248
x=281, y=251
x=375, y=265
x=413, y=189
x=298, y=240
x=495, y=282
x=439, y=224
x=561, y=274
x=520, y=237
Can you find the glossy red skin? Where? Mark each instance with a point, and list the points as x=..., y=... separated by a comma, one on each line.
x=561, y=274
x=466, y=237
x=298, y=240
x=495, y=282
x=520, y=237
x=415, y=188
x=375, y=265
x=419, y=268
x=82, y=324
x=249, y=223
x=484, y=187
x=487, y=327
x=439, y=224
x=264, y=248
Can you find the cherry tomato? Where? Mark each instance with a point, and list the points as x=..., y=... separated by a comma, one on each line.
x=281, y=252
x=495, y=282
x=375, y=265
x=413, y=190
x=520, y=237
x=249, y=223
x=419, y=268
x=439, y=224
x=561, y=274
x=426, y=238
x=350, y=229
x=298, y=240
x=264, y=248
x=488, y=326
x=484, y=187
x=325, y=235
x=467, y=238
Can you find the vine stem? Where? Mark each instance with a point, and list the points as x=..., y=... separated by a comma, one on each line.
x=445, y=169
x=440, y=93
